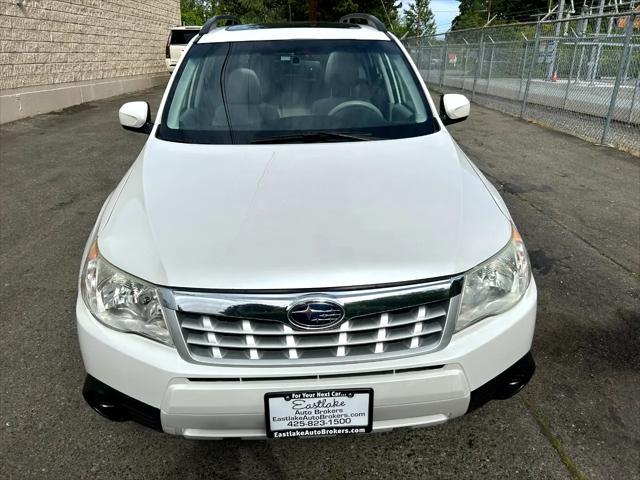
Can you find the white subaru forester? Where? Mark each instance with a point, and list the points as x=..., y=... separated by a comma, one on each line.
x=301, y=248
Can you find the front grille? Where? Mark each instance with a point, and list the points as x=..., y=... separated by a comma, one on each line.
x=254, y=329
x=211, y=337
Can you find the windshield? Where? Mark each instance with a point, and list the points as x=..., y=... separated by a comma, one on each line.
x=295, y=91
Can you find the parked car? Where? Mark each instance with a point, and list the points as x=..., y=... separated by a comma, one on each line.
x=179, y=38
x=301, y=248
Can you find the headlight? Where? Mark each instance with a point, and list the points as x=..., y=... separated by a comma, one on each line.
x=495, y=285
x=120, y=301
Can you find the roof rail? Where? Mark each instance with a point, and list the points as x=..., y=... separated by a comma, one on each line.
x=359, y=18
x=213, y=22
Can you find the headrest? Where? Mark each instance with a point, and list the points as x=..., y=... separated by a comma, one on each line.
x=342, y=70
x=243, y=86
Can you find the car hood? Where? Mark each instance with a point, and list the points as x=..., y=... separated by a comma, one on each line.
x=301, y=216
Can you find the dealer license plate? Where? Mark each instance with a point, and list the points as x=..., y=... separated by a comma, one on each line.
x=318, y=413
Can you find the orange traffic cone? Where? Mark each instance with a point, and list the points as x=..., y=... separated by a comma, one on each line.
x=554, y=78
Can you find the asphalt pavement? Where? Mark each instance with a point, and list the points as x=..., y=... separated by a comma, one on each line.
x=577, y=206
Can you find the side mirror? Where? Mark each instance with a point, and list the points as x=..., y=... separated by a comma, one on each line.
x=454, y=108
x=136, y=116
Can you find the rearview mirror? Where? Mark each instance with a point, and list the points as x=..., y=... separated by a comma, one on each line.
x=136, y=116
x=454, y=108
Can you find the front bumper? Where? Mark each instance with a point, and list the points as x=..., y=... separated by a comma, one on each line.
x=130, y=377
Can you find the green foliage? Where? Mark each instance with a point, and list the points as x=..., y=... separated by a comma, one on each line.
x=332, y=10
x=419, y=19
x=196, y=12
x=416, y=20
x=475, y=13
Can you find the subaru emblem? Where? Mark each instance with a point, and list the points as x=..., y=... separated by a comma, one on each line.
x=312, y=314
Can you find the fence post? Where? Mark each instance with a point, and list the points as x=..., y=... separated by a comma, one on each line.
x=524, y=63
x=443, y=70
x=466, y=59
x=573, y=62
x=616, y=87
x=536, y=46
x=580, y=62
x=493, y=47
x=479, y=66
x=626, y=69
x=430, y=60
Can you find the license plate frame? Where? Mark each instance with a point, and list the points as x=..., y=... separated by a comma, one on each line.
x=352, y=395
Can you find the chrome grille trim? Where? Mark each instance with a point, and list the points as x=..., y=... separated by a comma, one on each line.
x=248, y=341
x=209, y=324
x=253, y=329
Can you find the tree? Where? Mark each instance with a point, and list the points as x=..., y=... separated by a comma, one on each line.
x=475, y=13
x=197, y=11
x=419, y=19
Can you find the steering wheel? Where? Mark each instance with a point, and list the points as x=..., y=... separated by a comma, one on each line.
x=356, y=104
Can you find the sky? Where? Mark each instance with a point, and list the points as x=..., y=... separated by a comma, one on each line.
x=444, y=11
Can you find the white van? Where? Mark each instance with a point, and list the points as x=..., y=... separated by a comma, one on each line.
x=179, y=38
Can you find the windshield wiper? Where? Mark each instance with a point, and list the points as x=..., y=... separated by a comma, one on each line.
x=317, y=137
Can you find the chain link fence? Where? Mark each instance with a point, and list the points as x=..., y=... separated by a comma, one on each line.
x=580, y=75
